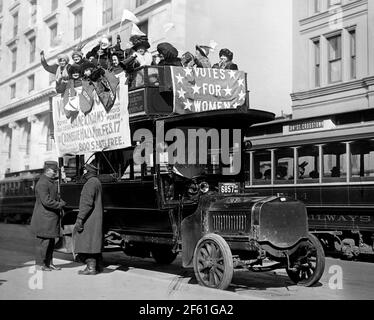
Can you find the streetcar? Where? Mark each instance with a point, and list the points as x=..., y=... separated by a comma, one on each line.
x=326, y=162
x=17, y=196
x=161, y=207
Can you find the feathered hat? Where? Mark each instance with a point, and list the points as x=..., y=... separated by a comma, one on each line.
x=227, y=53
x=204, y=50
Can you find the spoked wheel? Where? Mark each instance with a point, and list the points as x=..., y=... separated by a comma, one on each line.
x=213, y=264
x=308, y=262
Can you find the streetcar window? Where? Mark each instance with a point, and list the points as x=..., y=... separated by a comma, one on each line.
x=262, y=167
x=284, y=165
x=362, y=161
x=137, y=79
x=153, y=77
x=70, y=168
x=308, y=163
x=334, y=162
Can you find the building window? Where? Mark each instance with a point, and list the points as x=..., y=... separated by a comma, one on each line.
x=14, y=60
x=53, y=31
x=49, y=139
x=15, y=25
x=316, y=6
x=107, y=11
x=31, y=83
x=77, y=24
x=335, y=58
x=13, y=91
x=54, y=5
x=28, y=138
x=34, y=9
x=353, y=44
x=32, y=49
x=317, y=63
x=334, y=2
x=10, y=137
x=141, y=2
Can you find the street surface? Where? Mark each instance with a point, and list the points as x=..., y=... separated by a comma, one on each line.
x=129, y=278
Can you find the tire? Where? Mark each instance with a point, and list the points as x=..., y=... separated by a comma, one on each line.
x=163, y=255
x=213, y=263
x=310, y=265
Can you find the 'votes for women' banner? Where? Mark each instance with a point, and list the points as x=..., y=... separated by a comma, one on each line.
x=79, y=129
x=201, y=89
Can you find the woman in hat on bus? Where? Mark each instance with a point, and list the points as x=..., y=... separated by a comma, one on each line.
x=226, y=57
x=201, y=58
x=60, y=70
x=169, y=55
x=101, y=53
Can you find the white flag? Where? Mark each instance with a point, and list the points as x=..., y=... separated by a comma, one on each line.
x=168, y=27
x=213, y=45
x=128, y=15
x=136, y=31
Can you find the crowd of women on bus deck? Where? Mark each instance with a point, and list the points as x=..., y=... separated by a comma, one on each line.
x=113, y=58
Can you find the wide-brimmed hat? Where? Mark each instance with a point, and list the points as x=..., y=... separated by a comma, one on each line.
x=53, y=165
x=63, y=57
x=77, y=53
x=87, y=65
x=139, y=41
x=204, y=50
x=167, y=50
x=227, y=53
x=90, y=167
x=74, y=68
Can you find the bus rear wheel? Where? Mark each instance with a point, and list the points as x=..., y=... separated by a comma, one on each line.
x=309, y=263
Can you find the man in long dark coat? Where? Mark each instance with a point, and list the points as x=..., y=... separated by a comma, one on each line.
x=88, y=229
x=45, y=221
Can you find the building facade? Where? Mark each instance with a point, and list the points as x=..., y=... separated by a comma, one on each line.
x=57, y=26
x=333, y=60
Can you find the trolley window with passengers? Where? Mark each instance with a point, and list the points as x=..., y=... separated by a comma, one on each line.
x=299, y=160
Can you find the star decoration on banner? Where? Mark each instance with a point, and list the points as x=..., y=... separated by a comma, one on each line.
x=196, y=89
x=241, y=82
x=232, y=74
x=188, y=72
x=182, y=93
x=242, y=95
x=180, y=78
x=188, y=105
x=228, y=91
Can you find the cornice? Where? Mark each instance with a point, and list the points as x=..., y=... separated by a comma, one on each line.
x=329, y=13
x=149, y=6
x=329, y=90
x=51, y=18
x=30, y=32
x=12, y=42
x=26, y=102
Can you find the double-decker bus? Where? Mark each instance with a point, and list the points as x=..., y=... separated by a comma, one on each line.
x=188, y=196
x=326, y=162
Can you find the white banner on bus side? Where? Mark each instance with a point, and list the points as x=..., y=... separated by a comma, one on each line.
x=78, y=133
